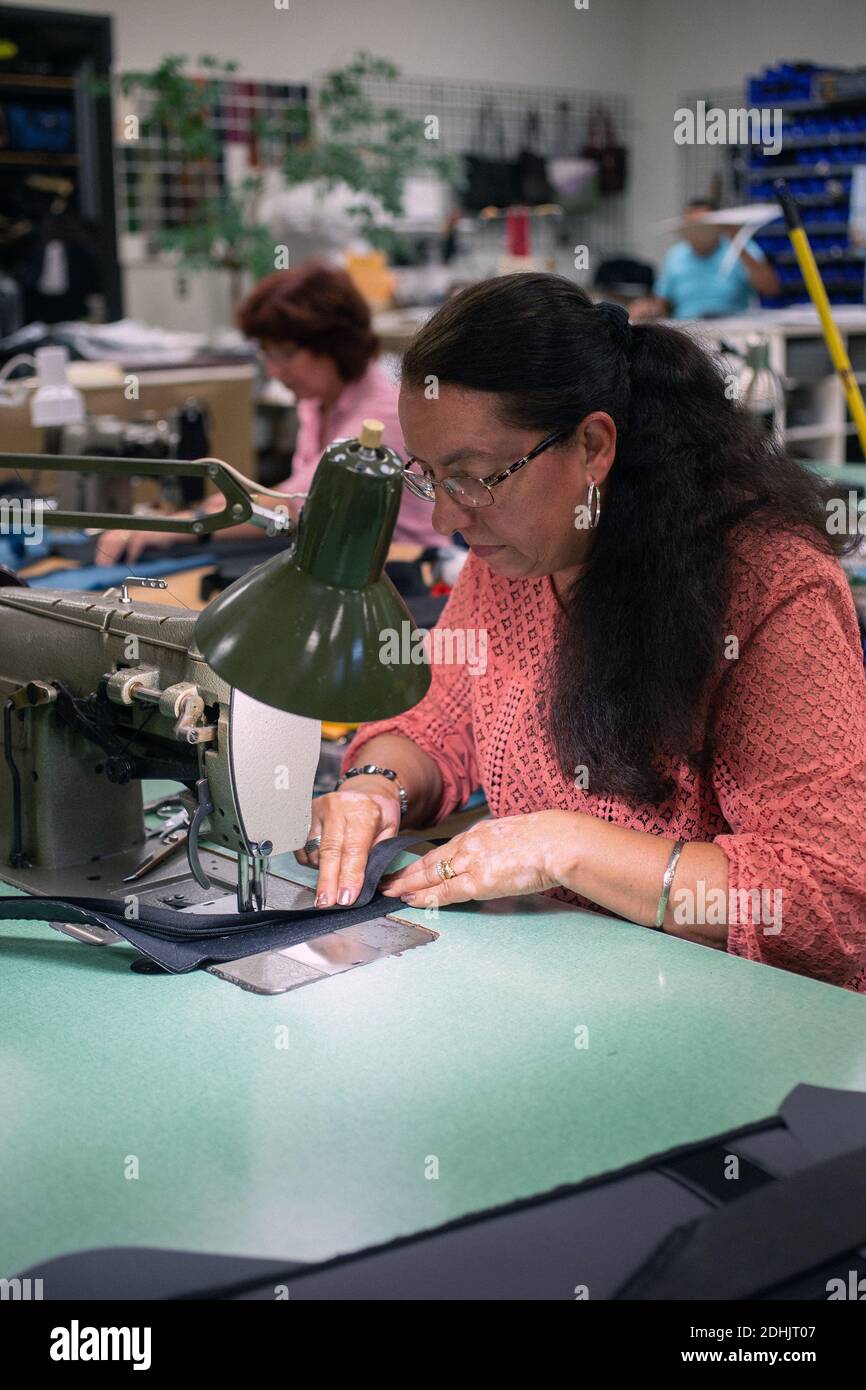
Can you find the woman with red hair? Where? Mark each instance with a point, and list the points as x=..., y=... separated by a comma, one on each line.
x=315, y=330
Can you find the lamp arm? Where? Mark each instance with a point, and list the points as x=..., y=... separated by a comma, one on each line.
x=240, y=493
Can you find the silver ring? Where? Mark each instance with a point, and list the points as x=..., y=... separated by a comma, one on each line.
x=312, y=844
x=445, y=869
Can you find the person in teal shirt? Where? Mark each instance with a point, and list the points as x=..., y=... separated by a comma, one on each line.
x=692, y=284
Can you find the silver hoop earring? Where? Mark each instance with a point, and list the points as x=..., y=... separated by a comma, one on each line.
x=593, y=503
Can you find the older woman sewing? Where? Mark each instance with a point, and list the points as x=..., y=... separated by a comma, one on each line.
x=670, y=723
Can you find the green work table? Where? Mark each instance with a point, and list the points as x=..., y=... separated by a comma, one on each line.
x=307, y=1123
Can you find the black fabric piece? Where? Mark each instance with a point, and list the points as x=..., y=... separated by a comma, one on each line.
x=826, y=1121
x=521, y=1249
x=764, y=1239
x=815, y=1286
x=704, y=1174
x=777, y=1152
x=818, y=1123
x=596, y=1232
x=146, y=1272
x=182, y=941
x=405, y=575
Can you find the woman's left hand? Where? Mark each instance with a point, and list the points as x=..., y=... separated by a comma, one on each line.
x=492, y=859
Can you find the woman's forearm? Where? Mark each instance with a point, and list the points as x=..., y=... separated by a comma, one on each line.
x=245, y=532
x=416, y=770
x=623, y=870
x=762, y=275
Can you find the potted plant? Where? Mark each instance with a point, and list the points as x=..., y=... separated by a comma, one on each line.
x=350, y=140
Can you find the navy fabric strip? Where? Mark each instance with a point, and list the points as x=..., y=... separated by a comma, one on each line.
x=182, y=941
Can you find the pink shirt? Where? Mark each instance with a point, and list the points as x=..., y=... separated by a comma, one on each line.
x=372, y=396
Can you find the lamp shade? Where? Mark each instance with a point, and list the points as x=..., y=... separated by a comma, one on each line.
x=312, y=630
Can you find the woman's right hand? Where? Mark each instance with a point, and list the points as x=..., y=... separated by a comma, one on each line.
x=348, y=823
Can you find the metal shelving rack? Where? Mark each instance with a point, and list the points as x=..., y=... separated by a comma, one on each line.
x=64, y=52
x=824, y=129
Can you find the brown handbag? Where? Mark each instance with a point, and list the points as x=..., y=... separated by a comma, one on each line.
x=611, y=157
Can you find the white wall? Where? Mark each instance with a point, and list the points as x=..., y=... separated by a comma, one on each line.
x=524, y=42
x=539, y=42
x=653, y=50
x=689, y=44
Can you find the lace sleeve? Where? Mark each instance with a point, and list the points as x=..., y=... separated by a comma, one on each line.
x=790, y=775
x=441, y=724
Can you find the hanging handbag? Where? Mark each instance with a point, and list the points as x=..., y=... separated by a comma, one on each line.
x=573, y=177
x=534, y=185
x=490, y=178
x=602, y=146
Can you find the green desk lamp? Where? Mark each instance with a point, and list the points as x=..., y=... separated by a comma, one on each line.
x=305, y=631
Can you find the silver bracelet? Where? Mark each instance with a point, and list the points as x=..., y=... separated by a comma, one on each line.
x=666, y=883
x=370, y=770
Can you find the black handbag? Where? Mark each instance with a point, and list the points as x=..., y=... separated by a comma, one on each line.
x=535, y=186
x=491, y=180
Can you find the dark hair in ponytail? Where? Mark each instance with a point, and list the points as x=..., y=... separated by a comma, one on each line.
x=643, y=624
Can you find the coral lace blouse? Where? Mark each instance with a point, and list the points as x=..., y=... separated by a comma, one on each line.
x=785, y=794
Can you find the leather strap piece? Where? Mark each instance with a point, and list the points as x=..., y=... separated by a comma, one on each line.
x=182, y=941
x=764, y=1239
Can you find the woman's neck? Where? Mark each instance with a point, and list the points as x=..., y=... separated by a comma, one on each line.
x=562, y=581
x=331, y=395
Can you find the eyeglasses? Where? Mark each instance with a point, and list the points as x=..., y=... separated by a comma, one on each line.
x=466, y=491
x=277, y=352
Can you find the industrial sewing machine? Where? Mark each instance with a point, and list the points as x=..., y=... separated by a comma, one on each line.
x=100, y=692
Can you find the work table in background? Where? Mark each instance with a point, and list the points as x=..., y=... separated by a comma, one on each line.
x=226, y=391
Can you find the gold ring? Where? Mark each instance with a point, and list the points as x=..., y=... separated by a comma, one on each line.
x=445, y=869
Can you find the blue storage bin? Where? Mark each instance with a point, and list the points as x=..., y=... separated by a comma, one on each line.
x=43, y=129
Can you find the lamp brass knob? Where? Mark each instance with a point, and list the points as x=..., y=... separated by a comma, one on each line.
x=371, y=434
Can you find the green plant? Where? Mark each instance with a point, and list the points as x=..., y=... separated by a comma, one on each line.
x=179, y=112
x=224, y=232
x=369, y=148
x=181, y=108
